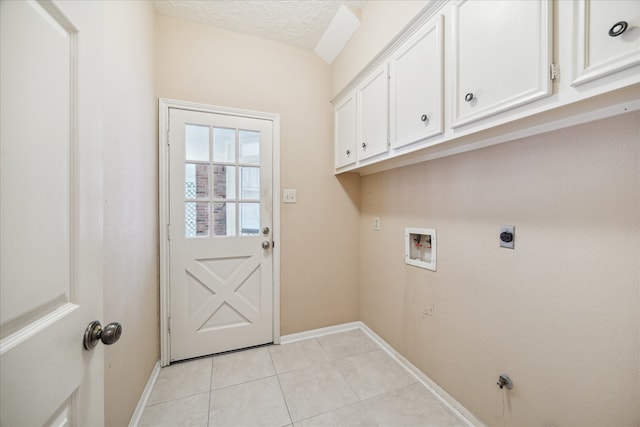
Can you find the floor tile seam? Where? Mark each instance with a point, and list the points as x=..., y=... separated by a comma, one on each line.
x=209, y=407
x=322, y=346
x=304, y=367
x=401, y=368
x=177, y=398
x=284, y=398
x=389, y=391
x=210, y=393
x=359, y=402
x=413, y=379
x=297, y=369
x=359, y=354
x=243, y=382
x=346, y=381
x=394, y=392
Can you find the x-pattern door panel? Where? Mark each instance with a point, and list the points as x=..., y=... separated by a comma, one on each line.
x=225, y=296
x=220, y=202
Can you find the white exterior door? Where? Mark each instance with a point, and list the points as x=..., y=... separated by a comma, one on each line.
x=50, y=212
x=220, y=239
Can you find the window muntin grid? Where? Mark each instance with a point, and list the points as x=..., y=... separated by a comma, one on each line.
x=222, y=182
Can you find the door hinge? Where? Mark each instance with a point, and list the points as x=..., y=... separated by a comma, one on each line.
x=169, y=324
x=168, y=137
x=553, y=72
x=168, y=231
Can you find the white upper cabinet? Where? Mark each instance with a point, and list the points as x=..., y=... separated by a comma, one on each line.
x=417, y=86
x=606, y=38
x=501, y=56
x=345, y=131
x=373, y=114
x=466, y=74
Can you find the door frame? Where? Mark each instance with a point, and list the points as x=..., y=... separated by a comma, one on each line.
x=163, y=177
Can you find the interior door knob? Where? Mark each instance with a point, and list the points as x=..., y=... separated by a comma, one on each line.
x=95, y=332
x=266, y=245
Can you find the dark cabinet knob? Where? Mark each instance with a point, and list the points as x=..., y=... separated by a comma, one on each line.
x=424, y=118
x=364, y=145
x=618, y=28
x=468, y=97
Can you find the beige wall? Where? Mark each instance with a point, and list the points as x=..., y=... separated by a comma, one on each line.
x=560, y=313
x=320, y=233
x=130, y=212
x=381, y=20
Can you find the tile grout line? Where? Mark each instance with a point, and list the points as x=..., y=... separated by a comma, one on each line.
x=210, y=394
x=284, y=398
x=360, y=401
x=175, y=399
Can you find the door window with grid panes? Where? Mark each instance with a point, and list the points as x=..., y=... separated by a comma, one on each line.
x=222, y=182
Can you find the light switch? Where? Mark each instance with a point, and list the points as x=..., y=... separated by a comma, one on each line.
x=288, y=195
x=376, y=223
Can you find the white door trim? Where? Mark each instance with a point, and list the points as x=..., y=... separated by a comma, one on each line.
x=163, y=176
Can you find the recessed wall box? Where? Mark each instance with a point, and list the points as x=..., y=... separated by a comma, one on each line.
x=420, y=247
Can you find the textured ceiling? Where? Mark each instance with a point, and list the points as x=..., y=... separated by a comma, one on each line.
x=299, y=23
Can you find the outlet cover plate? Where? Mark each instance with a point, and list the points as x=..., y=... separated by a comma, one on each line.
x=509, y=229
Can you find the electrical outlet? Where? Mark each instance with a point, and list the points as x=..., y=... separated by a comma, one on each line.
x=376, y=223
x=507, y=236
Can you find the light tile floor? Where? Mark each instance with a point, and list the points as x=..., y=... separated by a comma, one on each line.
x=343, y=379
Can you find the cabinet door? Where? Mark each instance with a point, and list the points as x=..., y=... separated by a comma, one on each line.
x=345, y=131
x=417, y=87
x=606, y=38
x=373, y=114
x=502, y=52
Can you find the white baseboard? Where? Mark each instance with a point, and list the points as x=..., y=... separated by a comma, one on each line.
x=144, y=398
x=315, y=333
x=452, y=404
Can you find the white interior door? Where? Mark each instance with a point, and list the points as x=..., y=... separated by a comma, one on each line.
x=221, y=225
x=50, y=212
